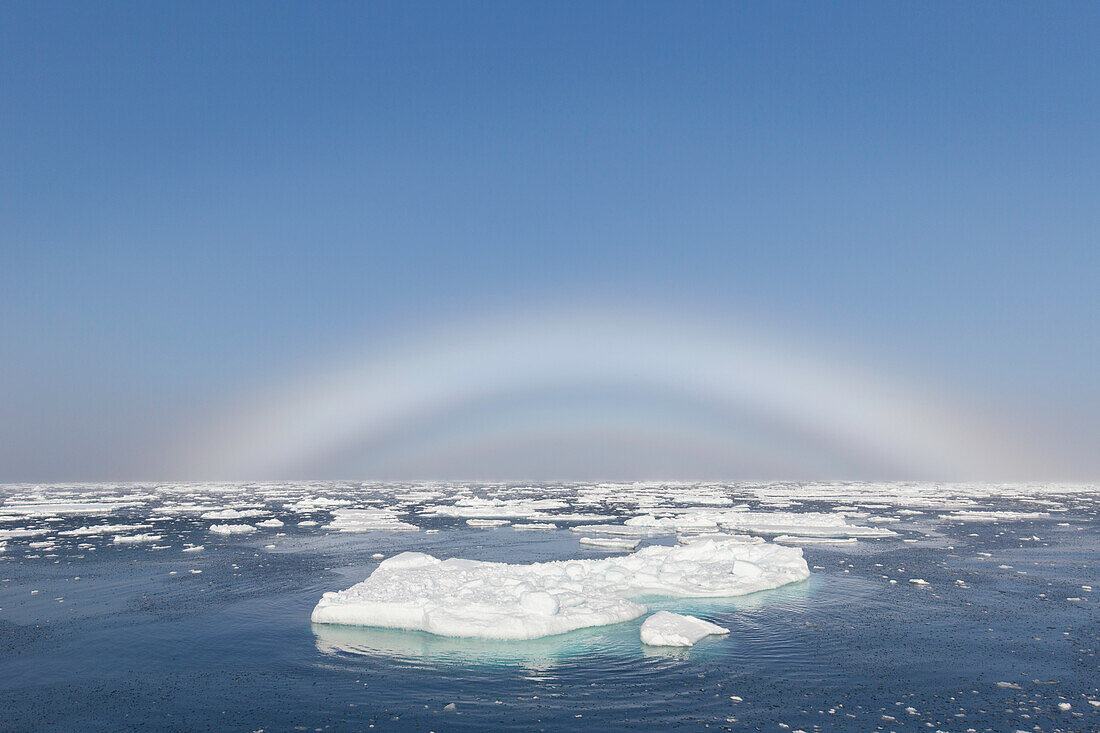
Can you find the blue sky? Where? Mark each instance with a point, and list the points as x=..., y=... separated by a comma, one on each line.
x=201, y=201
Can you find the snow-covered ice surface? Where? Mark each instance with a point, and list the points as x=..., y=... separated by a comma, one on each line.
x=493, y=600
x=219, y=637
x=665, y=628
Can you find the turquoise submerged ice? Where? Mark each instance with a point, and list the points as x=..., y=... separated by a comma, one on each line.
x=491, y=600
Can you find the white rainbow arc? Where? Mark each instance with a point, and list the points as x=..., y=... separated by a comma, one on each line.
x=364, y=399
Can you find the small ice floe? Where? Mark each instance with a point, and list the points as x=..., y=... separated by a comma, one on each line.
x=801, y=524
x=671, y=629
x=610, y=543
x=135, y=539
x=194, y=548
x=102, y=529
x=270, y=523
x=786, y=539
x=618, y=530
x=918, y=581
x=487, y=522
x=1064, y=706
x=307, y=523
x=534, y=526
x=368, y=520
x=232, y=528
x=474, y=598
x=476, y=508
x=378, y=556
x=1009, y=685
x=984, y=516
x=232, y=514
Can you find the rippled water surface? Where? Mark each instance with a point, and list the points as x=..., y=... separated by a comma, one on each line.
x=96, y=635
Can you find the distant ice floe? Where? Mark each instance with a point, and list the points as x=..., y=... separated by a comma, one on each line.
x=486, y=523
x=270, y=523
x=472, y=598
x=981, y=516
x=136, y=539
x=786, y=539
x=534, y=526
x=233, y=514
x=802, y=524
x=671, y=629
x=367, y=520
x=102, y=529
x=475, y=508
x=232, y=528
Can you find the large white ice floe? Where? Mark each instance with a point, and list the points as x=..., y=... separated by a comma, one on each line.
x=492, y=600
x=671, y=629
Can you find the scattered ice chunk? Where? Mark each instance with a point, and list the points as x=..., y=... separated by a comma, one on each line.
x=194, y=548
x=367, y=520
x=671, y=629
x=232, y=514
x=270, y=523
x=474, y=598
x=786, y=539
x=487, y=522
x=135, y=539
x=533, y=526
x=102, y=529
x=232, y=528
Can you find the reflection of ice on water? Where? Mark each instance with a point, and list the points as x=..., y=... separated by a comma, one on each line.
x=419, y=647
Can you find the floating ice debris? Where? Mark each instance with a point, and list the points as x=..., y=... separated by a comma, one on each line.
x=378, y=556
x=314, y=503
x=232, y=514
x=610, y=543
x=619, y=530
x=307, y=523
x=135, y=539
x=983, y=516
x=671, y=629
x=232, y=528
x=474, y=598
x=194, y=548
x=487, y=522
x=1009, y=685
x=269, y=523
x=367, y=520
x=11, y=534
x=496, y=508
x=102, y=529
x=803, y=524
x=1064, y=706
x=786, y=539
x=532, y=526
x=53, y=508
x=918, y=581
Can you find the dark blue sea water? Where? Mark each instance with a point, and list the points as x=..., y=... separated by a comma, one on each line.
x=129, y=637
